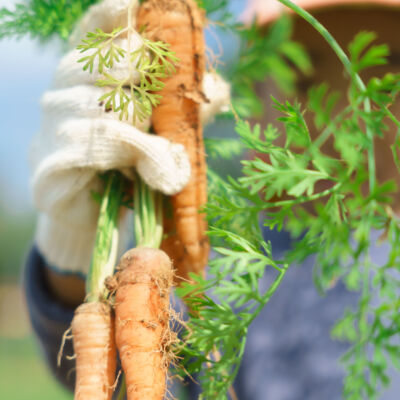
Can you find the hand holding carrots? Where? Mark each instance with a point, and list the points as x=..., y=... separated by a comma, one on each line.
x=145, y=276
x=80, y=138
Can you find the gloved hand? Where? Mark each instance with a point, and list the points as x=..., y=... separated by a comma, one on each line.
x=79, y=138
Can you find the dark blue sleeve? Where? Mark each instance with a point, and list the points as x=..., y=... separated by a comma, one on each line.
x=49, y=319
x=289, y=351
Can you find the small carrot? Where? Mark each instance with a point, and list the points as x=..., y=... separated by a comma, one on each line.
x=94, y=346
x=180, y=24
x=142, y=321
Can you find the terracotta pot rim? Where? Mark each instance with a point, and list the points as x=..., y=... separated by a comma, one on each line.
x=266, y=11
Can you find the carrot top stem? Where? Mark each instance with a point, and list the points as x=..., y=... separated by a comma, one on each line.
x=105, y=250
x=148, y=215
x=122, y=390
x=350, y=70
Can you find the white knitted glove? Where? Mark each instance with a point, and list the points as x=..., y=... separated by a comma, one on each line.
x=79, y=138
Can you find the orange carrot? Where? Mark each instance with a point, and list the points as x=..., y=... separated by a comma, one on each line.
x=142, y=314
x=180, y=24
x=94, y=346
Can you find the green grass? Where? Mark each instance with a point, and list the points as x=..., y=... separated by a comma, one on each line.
x=24, y=374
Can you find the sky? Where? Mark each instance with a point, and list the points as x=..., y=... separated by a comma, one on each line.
x=26, y=71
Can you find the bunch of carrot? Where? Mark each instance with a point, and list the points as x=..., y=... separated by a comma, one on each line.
x=140, y=330
x=128, y=312
x=139, y=324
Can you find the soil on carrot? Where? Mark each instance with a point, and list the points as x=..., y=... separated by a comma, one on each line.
x=180, y=23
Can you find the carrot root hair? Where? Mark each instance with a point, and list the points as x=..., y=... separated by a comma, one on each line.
x=143, y=335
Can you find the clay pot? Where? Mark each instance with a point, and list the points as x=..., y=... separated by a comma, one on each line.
x=343, y=19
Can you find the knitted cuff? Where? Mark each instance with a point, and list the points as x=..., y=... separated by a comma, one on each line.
x=65, y=247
